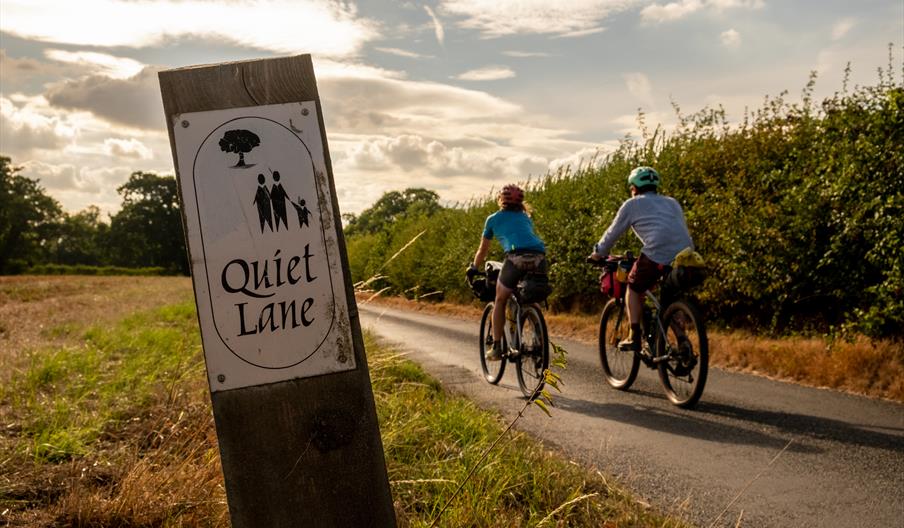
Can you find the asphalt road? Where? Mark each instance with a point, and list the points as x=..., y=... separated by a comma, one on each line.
x=844, y=466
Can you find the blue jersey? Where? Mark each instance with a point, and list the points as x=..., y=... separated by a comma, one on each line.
x=514, y=230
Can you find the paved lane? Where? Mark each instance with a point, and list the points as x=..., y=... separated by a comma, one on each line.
x=844, y=467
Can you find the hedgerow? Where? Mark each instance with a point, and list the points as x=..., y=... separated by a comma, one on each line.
x=798, y=209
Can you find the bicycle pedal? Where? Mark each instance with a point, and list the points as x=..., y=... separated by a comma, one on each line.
x=659, y=359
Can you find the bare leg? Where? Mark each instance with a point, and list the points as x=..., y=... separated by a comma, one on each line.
x=635, y=306
x=502, y=295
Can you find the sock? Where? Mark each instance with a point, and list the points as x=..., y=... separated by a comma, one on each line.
x=635, y=332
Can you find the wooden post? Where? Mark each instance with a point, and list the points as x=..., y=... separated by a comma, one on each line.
x=290, y=388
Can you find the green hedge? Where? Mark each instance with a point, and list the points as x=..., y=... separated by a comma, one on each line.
x=798, y=209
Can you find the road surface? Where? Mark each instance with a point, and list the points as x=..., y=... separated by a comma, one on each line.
x=844, y=466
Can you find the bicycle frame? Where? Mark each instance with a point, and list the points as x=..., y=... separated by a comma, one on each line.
x=512, y=327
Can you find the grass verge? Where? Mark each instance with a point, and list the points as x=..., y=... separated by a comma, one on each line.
x=114, y=429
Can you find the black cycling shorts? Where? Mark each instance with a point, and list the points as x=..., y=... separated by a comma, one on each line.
x=517, y=264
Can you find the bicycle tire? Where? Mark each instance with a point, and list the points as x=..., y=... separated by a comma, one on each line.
x=619, y=368
x=684, y=376
x=533, y=361
x=492, y=370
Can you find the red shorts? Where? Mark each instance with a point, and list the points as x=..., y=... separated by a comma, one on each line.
x=645, y=274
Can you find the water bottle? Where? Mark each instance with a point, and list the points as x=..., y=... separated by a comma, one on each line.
x=621, y=273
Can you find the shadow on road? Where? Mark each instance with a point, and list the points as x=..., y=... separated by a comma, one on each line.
x=743, y=426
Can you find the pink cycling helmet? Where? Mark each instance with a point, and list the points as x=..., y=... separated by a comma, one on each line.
x=511, y=194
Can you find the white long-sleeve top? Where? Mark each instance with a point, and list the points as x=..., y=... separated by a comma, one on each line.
x=658, y=222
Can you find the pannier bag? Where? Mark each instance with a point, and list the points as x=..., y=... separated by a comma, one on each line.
x=484, y=288
x=688, y=270
x=534, y=288
x=610, y=285
x=686, y=277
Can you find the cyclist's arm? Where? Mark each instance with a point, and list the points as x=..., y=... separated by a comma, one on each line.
x=617, y=228
x=482, y=251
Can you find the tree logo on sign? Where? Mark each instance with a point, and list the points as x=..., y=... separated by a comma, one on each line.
x=240, y=142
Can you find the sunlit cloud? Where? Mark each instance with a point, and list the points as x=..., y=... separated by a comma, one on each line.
x=659, y=13
x=489, y=73
x=127, y=148
x=437, y=26
x=102, y=63
x=496, y=18
x=28, y=124
x=284, y=26
x=730, y=38
x=526, y=54
x=842, y=27
x=402, y=53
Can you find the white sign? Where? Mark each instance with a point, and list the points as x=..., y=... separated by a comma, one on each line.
x=265, y=258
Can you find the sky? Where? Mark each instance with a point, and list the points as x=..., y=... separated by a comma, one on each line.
x=457, y=96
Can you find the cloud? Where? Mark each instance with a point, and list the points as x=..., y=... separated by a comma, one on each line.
x=639, y=86
x=496, y=18
x=63, y=177
x=402, y=53
x=127, y=148
x=730, y=38
x=133, y=102
x=77, y=187
x=432, y=158
x=842, y=27
x=489, y=73
x=526, y=54
x=659, y=13
x=100, y=63
x=28, y=124
x=319, y=27
x=437, y=26
x=28, y=73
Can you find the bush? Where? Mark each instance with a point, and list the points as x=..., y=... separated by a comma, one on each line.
x=799, y=211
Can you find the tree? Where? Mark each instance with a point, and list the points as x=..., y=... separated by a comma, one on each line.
x=392, y=206
x=240, y=141
x=27, y=219
x=81, y=239
x=147, y=231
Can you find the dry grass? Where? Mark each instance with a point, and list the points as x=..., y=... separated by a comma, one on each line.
x=158, y=467
x=155, y=462
x=49, y=310
x=861, y=366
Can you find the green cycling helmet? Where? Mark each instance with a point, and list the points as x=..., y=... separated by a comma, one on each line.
x=643, y=176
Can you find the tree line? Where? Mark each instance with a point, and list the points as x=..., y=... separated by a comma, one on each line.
x=36, y=234
x=798, y=210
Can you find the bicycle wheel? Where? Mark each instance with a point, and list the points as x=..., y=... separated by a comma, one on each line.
x=683, y=375
x=492, y=370
x=619, y=367
x=534, y=358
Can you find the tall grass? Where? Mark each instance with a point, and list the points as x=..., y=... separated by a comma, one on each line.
x=116, y=430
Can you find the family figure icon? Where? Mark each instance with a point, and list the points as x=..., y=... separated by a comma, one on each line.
x=271, y=204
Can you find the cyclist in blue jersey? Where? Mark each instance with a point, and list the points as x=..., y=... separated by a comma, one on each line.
x=512, y=226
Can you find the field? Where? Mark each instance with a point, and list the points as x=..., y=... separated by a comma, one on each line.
x=106, y=421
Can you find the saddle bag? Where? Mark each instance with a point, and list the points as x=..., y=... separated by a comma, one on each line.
x=534, y=288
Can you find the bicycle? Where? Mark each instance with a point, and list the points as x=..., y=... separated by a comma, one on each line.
x=525, y=338
x=674, y=335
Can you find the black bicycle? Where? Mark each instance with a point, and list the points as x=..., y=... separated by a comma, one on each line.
x=674, y=335
x=525, y=339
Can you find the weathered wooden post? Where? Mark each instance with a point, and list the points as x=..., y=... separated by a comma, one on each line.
x=290, y=388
